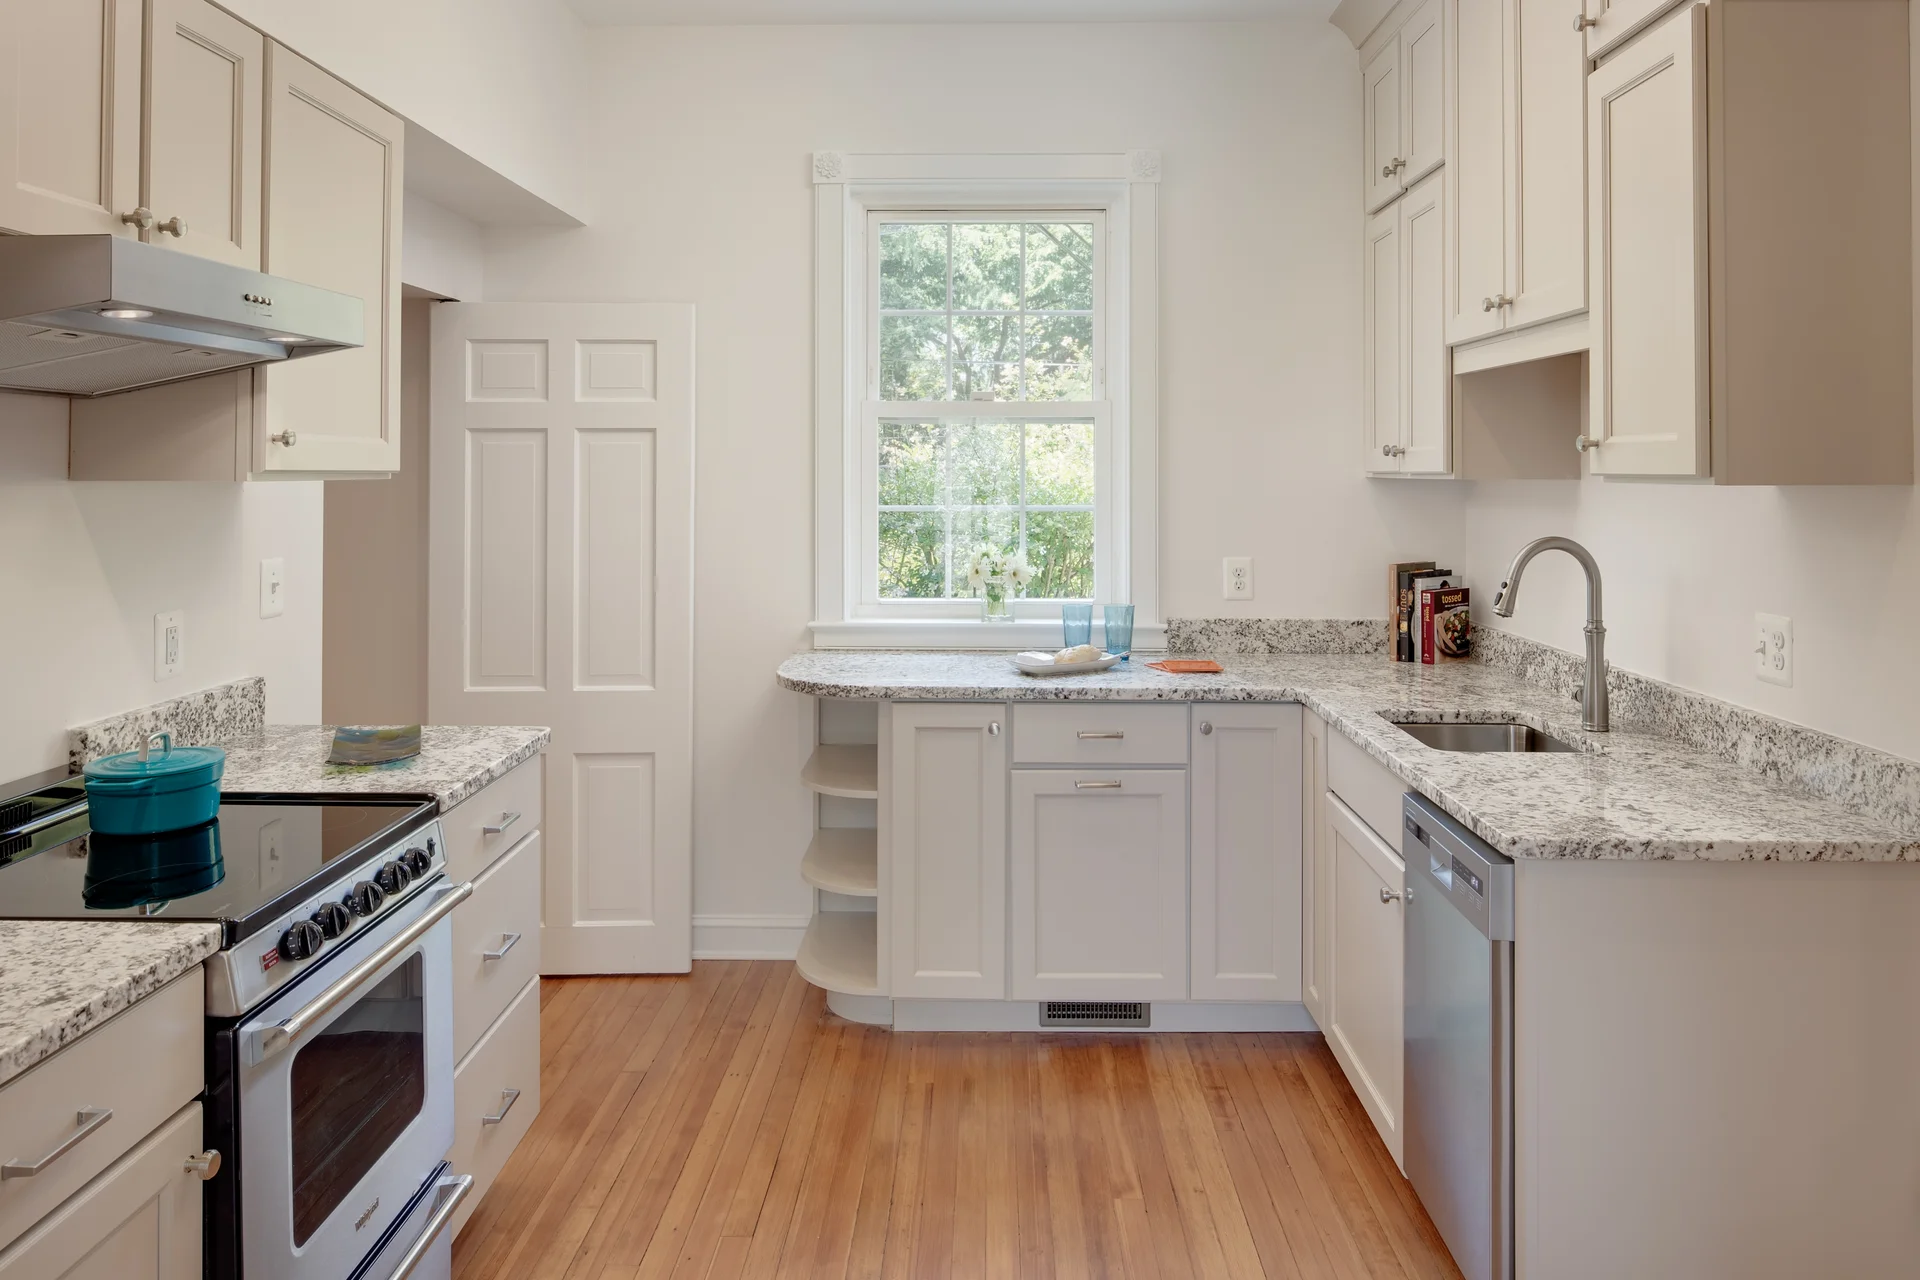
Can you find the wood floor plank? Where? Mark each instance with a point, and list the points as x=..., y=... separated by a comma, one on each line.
x=723, y=1124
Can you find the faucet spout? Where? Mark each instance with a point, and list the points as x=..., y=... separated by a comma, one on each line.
x=1593, y=691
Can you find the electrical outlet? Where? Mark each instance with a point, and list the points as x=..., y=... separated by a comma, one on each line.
x=1773, y=648
x=273, y=587
x=169, y=644
x=1236, y=577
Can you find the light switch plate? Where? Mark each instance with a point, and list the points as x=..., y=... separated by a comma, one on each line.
x=1773, y=648
x=169, y=643
x=1236, y=577
x=273, y=587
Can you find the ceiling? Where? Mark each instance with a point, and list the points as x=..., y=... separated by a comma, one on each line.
x=739, y=12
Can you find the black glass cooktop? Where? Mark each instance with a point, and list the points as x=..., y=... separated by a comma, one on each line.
x=258, y=858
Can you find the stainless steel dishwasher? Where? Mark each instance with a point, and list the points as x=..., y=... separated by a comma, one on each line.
x=1459, y=1037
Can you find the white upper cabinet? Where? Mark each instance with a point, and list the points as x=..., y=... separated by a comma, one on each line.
x=1385, y=362
x=1404, y=107
x=1608, y=22
x=333, y=195
x=205, y=88
x=69, y=116
x=1246, y=852
x=1408, y=366
x=1516, y=138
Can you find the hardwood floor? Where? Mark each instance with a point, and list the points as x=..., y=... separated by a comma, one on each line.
x=725, y=1125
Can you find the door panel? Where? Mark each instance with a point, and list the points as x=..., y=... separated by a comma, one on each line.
x=560, y=594
x=1422, y=57
x=1246, y=853
x=1428, y=377
x=947, y=814
x=1365, y=1029
x=1649, y=332
x=1316, y=948
x=1548, y=266
x=69, y=115
x=1385, y=331
x=205, y=94
x=1380, y=80
x=1477, y=167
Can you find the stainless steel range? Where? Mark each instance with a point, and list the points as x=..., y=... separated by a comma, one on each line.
x=330, y=1029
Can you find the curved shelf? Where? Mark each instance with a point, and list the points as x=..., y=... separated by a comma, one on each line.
x=844, y=860
x=840, y=952
x=853, y=772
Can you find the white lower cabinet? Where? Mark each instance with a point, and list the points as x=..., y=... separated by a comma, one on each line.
x=1099, y=903
x=1364, y=1006
x=1316, y=875
x=1246, y=852
x=496, y=1095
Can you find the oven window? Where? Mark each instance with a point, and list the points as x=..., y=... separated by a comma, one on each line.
x=356, y=1087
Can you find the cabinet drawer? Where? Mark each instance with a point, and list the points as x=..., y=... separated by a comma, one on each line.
x=1099, y=733
x=163, y=1035
x=506, y=1059
x=512, y=802
x=1369, y=788
x=502, y=915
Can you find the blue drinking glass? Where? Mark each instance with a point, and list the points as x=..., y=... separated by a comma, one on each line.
x=1076, y=624
x=1117, y=622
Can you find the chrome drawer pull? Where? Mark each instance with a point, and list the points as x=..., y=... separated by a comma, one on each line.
x=455, y=1190
x=205, y=1165
x=507, y=941
x=507, y=1098
x=1112, y=784
x=89, y=1119
x=1387, y=895
x=497, y=828
x=1100, y=735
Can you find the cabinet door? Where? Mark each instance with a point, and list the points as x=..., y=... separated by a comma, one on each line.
x=1382, y=118
x=139, y=1220
x=1615, y=20
x=1647, y=145
x=1547, y=256
x=1364, y=1028
x=1099, y=884
x=1427, y=378
x=69, y=116
x=947, y=810
x=1423, y=112
x=1385, y=331
x=205, y=94
x=1246, y=852
x=1316, y=880
x=333, y=220
x=1475, y=37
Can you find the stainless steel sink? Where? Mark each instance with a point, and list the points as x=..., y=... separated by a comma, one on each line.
x=1483, y=737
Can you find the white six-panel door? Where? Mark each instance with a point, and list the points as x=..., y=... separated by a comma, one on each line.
x=561, y=581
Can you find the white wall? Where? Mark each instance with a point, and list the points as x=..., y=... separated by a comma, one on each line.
x=703, y=196
x=84, y=567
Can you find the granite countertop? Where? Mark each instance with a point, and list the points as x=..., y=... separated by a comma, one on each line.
x=455, y=761
x=61, y=979
x=1629, y=794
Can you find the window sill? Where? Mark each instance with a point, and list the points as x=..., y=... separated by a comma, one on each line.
x=955, y=633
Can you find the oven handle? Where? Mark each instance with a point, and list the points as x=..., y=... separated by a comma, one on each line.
x=271, y=1040
x=442, y=1215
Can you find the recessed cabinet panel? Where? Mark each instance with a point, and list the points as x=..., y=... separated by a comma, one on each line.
x=1385, y=331
x=1366, y=1004
x=1381, y=84
x=1548, y=267
x=205, y=97
x=1427, y=415
x=1422, y=60
x=1316, y=885
x=1615, y=20
x=1476, y=146
x=1246, y=852
x=69, y=116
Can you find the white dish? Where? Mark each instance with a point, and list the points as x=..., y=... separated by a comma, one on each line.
x=1042, y=664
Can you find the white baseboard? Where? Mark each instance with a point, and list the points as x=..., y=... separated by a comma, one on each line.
x=748, y=937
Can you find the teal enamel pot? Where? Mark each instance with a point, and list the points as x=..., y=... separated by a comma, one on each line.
x=146, y=792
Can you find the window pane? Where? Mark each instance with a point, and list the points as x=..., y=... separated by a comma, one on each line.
x=986, y=266
x=1059, y=464
x=1059, y=352
x=1060, y=549
x=912, y=555
x=1060, y=266
x=913, y=266
x=983, y=464
x=974, y=528
x=986, y=356
x=910, y=464
x=913, y=358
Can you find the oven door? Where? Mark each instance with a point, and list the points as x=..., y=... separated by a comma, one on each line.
x=346, y=1096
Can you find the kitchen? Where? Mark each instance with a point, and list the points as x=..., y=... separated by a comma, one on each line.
x=1212, y=152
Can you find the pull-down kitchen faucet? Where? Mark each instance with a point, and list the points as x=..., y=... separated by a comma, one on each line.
x=1593, y=692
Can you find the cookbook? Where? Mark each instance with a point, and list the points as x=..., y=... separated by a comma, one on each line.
x=1446, y=625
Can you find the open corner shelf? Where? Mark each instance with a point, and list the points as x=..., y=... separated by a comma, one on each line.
x=840, y=952
x=851, y=771
x=844, y=860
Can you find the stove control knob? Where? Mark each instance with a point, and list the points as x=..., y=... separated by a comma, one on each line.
x=333, y=918
x=418, y=861
x=393, y=877
x=301, y=940
x=365, y=898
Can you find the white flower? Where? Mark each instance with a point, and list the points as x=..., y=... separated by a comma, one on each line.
x=1019, y=572
x=975, y=578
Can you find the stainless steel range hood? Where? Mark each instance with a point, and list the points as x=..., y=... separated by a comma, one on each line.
x=92, y=315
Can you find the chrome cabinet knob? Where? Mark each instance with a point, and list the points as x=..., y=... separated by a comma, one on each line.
x=1392, y=167
x=1582, y=443
x=287, y=438
x=993, y=728
x=1206, y=727
x=1581, y=22
x=204, y=1166
x=1387, y=895
x=1393, y=450
x=141, y=218
x=1487, y=304
x=1497, y=301
x=175, y=226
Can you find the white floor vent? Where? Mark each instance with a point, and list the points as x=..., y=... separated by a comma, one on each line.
x=1095, y=1013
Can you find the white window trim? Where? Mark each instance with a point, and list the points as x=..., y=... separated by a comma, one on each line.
x=1124, y=186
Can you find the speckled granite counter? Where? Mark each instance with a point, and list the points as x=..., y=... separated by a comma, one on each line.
x=61, y=979
x=1631, y=795
x=455, y=761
